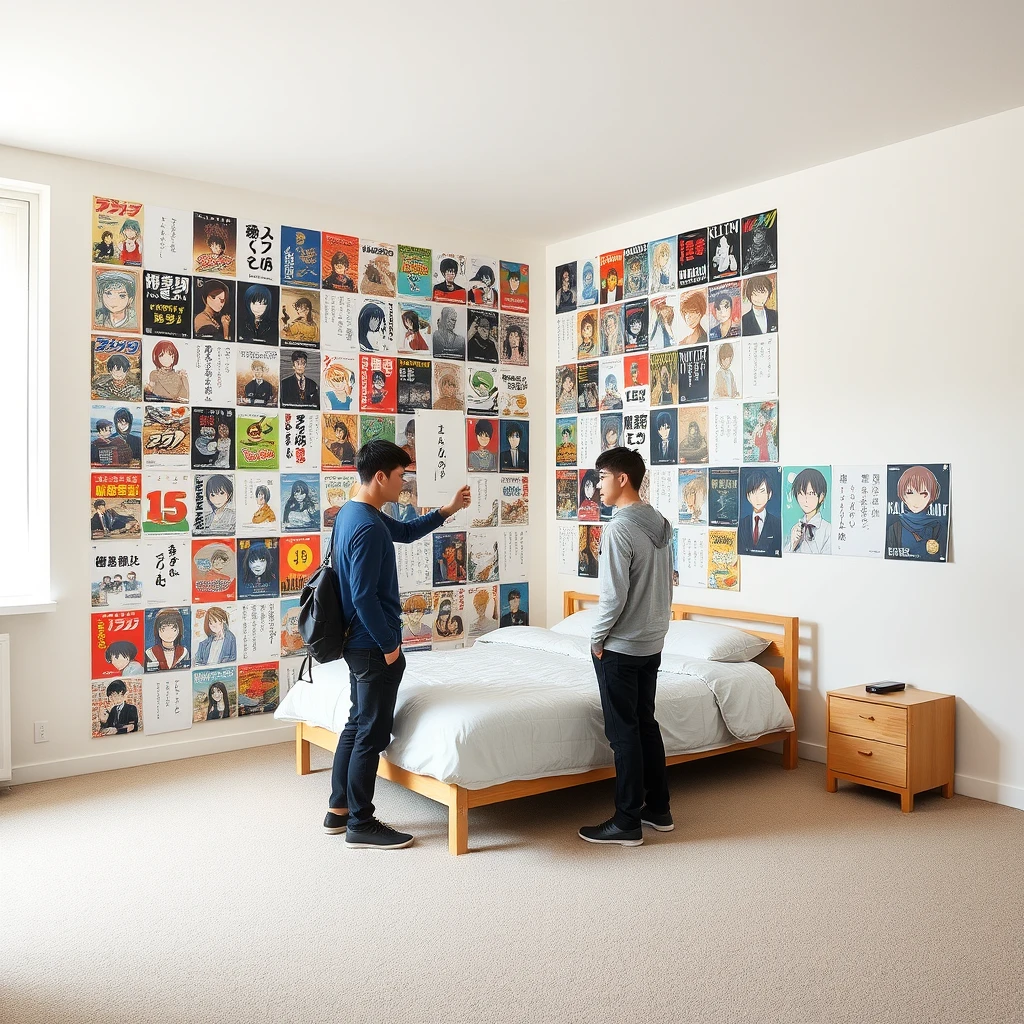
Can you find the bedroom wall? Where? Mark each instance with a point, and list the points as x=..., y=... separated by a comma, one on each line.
x=900, y=340
x=50, y=652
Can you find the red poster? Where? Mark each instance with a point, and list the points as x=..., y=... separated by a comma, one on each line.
x=378, y=383
x=117, y=644
x=514, y=293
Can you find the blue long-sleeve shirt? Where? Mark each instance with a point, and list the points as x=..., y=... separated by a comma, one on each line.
x=363, y=556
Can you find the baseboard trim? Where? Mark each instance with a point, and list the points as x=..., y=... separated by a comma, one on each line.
x=993, y=792
x=45, y=771
x=811, y=751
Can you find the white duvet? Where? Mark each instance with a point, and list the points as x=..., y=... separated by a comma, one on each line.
x=523, y=703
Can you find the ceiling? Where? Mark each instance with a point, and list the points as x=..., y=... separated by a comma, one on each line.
x=541, y=118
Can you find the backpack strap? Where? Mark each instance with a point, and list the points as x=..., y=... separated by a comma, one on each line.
x=306, y=670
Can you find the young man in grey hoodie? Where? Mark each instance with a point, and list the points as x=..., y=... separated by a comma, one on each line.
x=635, y=570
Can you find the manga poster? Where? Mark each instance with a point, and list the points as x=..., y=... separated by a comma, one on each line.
x=449, y=549
x=566, y=493
x=636, y=380
x=515, y=287
x=413, y=562
x=482, y=445
x=166, y=304
x=588, y=439
x=760, y=531
x=691, y=556
x=414, y=267
x=166, y=703
x=258, y=252
x=482, y=389
x=590, y=550
x=300, y=502
x=590, y=282
x=117, y=232
x=568, y=546
x=378, y=384
x=212, y=368
x=693, y=497
x=612, y=276
x=165, y=366
x=115, y=300
x=213, y=505
x=565, y=440
x=257, y=377
x=300, y=379
x=613, y=342
x=693, y=434
x=407, y=439
x=300, y=257
x=379, y=264
x=449, y=611
x=514, y=456
x=417, y=620
x=724, y=310
x=724, y=250
x=256, y=630
x=588, y=386
x=167, y=436
x=339, y=262
x=482, y=336
x=213, y=571
x=117, y=644
x=565, y=338
x=514, y=397
x=214, y=240
x=258, y=688
x=261, y=568
x=760, y=431
x=723, y=560
x=117, y=707
x=660, y=321
x=611, y=385
x=663, y=493
x=565, y=389
x=694, y=317
x=761, y=366
x=515, y=604
x=300, y=441
x=339, y=321
x=483, y=556
x=760, y=243
x=300, y=317
x=339, y=440
x=692, y=250
x=514, y=339
x=482, y=611
x=413, y=384
x=587, y=338
x=635, y=265
x=259, y=312
x=168, y=238
x=115, y=571
x=116, y=369
x=214, y=693
x=858, y=510
x=448, y=331
x=588, y=509
x=664, y=437
x=636, y=428
x=373, y=428
x=168, y=638
x=724, y=496
x=403, y=510
x=726, y=433
x=449, y=279
x=635, y=325
x=515, y=500
x=917, y=512
x=166, y=579
x=662, y=267
x=807, y=510
x=292, y=644
x=482, y=287
x=727, y=368
x=693, y=374
x=565, y=287
x=213, y=309
x=664, y=368
x=415, y=328
x=300, y=558
x=759, y=303
x=258, y=504
x=338, y=383
x=449, y=392
x=166, y=505
x=257, y=438
x=375, y=329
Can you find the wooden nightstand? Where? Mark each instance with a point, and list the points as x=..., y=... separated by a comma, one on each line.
x=901, y=742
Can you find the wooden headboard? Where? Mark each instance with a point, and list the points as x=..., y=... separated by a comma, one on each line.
x=782, y=631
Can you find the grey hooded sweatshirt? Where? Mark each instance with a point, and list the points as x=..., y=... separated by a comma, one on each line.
x=635, y=572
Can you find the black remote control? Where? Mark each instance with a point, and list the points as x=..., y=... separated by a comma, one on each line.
x=885, y=687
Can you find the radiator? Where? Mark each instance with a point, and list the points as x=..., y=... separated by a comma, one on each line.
x=5, y=707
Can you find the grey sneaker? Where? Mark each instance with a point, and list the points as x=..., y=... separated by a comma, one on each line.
x=660, y=822
x=376, y=836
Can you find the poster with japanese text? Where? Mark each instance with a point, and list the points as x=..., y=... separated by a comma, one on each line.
x=588, y=440
x=115, y=505
x=378, y=384
x=723, y=560
x=115, y=575
x=339, y=262
x=515, y=500
x=300, y=257
x=565, y=338
x=414, y=384
x=514, y=287
x=117, y=231
x=612, y=275
x=414, y=270
x=482, y=287
x=167, y=703
x=917, y=512
x=166, y=305
x=165, y=506
x=258, y=504
x=484, y=491
x=211, y=374
x=339, y=321
x=693, y=497
x=300, y=558
x=213, y=437
x=258, y=252
x=378, y=262
x=724, y=496
x=566, y=493
x=726, y=433
x=724, y=250
x=256, y=632
x=168, y=240
x=116, y=369
x=859, y=510
x=414, y=563
x=117, y=643
x=166, y=576
x=636, y=267
x=484, y=555
x=213, y=570
x=214, y=241
x=636, y=430
x=760, y=242
x=257, y=438
x=761, y=366
x=691, y=556
x=514, y=555
x=693, y=374
x=214, y=694
x=300, y=440
x=513, y=398
x=568, y=547
x=636, y=381
x=167, y=437
x=692, y=256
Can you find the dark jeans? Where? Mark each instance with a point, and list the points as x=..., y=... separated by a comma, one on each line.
x=628, y=685
x=374, y=686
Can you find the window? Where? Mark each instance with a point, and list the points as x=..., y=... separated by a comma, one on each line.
x=24, y=397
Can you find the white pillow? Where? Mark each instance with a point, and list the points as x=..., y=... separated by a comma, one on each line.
x=578, y=624
x=712, y=642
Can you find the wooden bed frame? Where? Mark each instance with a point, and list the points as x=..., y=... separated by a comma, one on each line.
x=780, y=659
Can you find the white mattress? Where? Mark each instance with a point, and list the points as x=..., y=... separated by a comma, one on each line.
x=523, y=703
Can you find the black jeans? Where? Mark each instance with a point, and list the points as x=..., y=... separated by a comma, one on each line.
x=374, y=686
x=628, y=685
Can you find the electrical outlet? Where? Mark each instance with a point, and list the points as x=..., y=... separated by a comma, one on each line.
x=41, y=733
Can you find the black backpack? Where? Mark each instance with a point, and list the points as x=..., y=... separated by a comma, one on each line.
x=322, y=624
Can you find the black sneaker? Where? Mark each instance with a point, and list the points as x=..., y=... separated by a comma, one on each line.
x=335, y=824
x=376, y=836
x=660, y=822
x=609, y=832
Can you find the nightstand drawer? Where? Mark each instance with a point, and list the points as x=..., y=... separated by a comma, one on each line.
x=870, y=720
x=867, y=759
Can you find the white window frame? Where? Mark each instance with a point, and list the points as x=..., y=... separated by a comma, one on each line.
x=38, y=596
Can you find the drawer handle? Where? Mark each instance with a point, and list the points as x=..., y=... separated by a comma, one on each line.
x=866, y=753
x=870, y=718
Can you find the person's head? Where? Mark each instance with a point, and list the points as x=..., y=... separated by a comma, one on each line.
x=444, y=609
x=411, y=320
x=514, y=435
x=123, y=421
x=588, y=485
x=483, y=326
x=664, y=376
x=131, y=577
x=115, y=291
x=99, y=505
x=300, y=493
x=567, y=382
x=219, y=558
x=254, y=432
x=758, y=290
x=634, y=372
x=918, y=488
x=107, y=237
x=257, y=299
x=662, y=254
x=215, y=295
x=620, y=474
x=120, y=654
x=480, y=602
x=635, y=322
x=724, y=248
x=664, y=426
x=341, y=431
x=219, y=490
x=117, y=690
x=104, y=428
x=666, y=314
x=371, y=317
x=410, y=432
x=513, y=341
x=692, y=308
x=566, y=434
x=485, y=275
x=165, y=355
x=257, y=561
x=484, y=431
x=381, y=466
x=377, y=379
x=118, y=367
x=217, y=695
x=215, y=242
x=695, y=491
x=587, y=324
x=565, y=278
x=611, y=435
x=588, y=275
x=168, y=626
x=610, y=383
x=610, y=323
x=258, y=369
x=339, y=263
x=448, y=385
x=304, y=309
x=635, y=266
x=513, y=279
x=215, y=621
x=725, y=355
x=758, y=489
x=415, y=608
x=514, y=599
x=723, y=309
x=612, y=279
x=809, y=489
x=449, y=268
x=299, y=359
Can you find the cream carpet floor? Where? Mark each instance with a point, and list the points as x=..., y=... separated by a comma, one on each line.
x=205, y=890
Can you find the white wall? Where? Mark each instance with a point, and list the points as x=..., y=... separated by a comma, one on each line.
x=899, y=278
x=50, y=652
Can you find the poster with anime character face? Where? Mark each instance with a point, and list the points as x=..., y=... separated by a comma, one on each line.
x=566, y=287
x=116, y=369
x=379, y=264
x=515, y=287
x=807, y=510
x=760, y=242
x=724, y=250
x=117, y=231
x=339, y=256
x=414, y=267
x=214, y=241
x=917, y=512
x=662, y=276
x=482, y=284
x=634, y=260
x=115, y=300
x=450, y=280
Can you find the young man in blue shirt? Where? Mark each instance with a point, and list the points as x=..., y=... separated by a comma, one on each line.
x=363, y=556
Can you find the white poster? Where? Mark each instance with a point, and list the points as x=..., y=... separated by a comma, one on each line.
x=441, y=466
x=568, y=549
x=514, y=553
x=414, y=564
x=482, y=384
x=636, y=432
x=858, y=510
x=258, y=256
x=610, y=385
x=588, y=440
x=166, y=702
x=692, y=556
x=257, y=636
x=513, y=399
x=168, y=240
x=485, y=491
x=565, y=338
x=166, y=571
x=258, y=504
x=761, y=366
x=665, y=491
x=726, y=433
x=338, y=322
x=300, y=441
x=116, y=568
x=212, y=373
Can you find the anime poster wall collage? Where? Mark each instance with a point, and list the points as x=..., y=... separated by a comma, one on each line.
x=236, y=368
x=671, y=347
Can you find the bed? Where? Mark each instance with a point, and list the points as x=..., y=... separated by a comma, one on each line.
x=453, y=742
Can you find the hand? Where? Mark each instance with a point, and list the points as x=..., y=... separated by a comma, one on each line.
x=390, y=659
x=462, y=498
x=597, y=651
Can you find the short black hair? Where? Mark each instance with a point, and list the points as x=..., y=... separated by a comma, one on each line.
x=754, y=481
x=117, y=686
x=219, y=482
x=663, y=420
x=379, y=456
x=514, y=593
x=299, y=354
x=484, y=427
x=449, y=264
x=118, y=362
x=623, y=460
x=514, y=429
x=123, y=649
